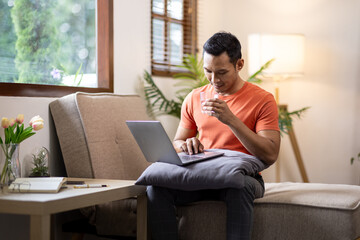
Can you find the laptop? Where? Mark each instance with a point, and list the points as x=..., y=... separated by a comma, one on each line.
x=157, y=147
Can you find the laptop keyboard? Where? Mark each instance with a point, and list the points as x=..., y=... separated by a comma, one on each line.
x=190, y=158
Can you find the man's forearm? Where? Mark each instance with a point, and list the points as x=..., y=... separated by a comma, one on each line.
x=264, y=145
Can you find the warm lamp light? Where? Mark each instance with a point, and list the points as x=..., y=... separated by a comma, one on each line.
x=287, y=50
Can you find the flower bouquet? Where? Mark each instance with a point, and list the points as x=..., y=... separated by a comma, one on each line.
x=15, y=133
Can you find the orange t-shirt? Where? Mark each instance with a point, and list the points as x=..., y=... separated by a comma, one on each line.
x=255, y=107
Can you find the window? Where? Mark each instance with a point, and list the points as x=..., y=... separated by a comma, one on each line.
x=65, y=36
x=173, y=34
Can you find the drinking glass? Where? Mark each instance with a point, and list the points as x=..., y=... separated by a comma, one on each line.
x=204, y=96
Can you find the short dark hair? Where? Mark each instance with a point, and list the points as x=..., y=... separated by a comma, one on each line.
x=224, y=42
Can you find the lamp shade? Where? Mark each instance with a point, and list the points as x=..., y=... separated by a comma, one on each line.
x=286, y=49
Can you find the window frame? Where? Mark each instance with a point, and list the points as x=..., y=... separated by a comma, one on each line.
x=105, y=63
x=190, y=34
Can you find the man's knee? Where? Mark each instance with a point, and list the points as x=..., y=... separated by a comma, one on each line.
x=255, y=186
x=252, y=189
x=156, y=194
x=151, y=192
x=234, y=194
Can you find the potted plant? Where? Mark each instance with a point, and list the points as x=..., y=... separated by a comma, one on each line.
x=40, y=162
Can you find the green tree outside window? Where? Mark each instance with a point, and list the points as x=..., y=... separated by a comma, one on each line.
x=44, y=41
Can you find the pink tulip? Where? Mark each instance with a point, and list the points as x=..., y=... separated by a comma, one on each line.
x=20, y=118
x=37, y=123
x=12, y=122
x=5, y=123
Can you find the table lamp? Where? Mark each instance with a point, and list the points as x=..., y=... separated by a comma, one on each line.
x=287, y=50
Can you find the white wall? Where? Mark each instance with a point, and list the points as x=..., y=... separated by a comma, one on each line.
x=131, y=44
x=328, y=135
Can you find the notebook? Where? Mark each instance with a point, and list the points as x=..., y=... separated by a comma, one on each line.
x=157, y=147
x=37, y=184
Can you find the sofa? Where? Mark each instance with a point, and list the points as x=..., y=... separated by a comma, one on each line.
x=96, y=143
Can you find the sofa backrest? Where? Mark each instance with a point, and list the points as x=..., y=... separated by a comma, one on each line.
x=93, y=136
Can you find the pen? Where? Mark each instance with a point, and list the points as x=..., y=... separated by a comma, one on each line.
x=90, y=186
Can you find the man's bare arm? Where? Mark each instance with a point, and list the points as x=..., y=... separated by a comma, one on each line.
x=264, y=144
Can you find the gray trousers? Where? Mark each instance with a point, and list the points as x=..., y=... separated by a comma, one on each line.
x=239, y=204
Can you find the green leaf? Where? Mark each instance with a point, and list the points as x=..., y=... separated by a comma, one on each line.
x=81, y=78
x=7, y=135
x=253, y=78
x=158, y=99
x=162, y=104
x=21, y=130
x=17, y=129
x=286, y=118
x=76, y=75
x=25, y=136
x=353, y=159
x=157, y=103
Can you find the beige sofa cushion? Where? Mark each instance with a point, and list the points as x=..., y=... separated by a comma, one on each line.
x=71, y=137
x=334, y=196
x=310, y=211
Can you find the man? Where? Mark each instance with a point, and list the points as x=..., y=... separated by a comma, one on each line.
x=243, y=118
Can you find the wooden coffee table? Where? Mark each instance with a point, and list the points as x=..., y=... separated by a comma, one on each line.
x=40, y=206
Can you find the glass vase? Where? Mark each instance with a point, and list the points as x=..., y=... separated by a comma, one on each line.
x=9, y=164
